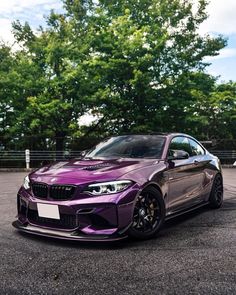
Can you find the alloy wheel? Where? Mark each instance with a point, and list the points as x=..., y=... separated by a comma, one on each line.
x=146, y=213
x=218, y=190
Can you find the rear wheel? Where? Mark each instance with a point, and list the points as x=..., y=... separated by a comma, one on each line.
x=216, y=195
x=149, y=214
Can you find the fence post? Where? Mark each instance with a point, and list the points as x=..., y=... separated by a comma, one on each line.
x=27, y=159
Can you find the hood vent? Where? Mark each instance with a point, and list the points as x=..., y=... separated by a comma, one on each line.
x=96, y=167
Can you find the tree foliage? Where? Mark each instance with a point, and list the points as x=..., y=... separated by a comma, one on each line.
x=136, y=65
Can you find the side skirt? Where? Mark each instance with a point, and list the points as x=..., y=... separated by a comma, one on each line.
x=181, y=212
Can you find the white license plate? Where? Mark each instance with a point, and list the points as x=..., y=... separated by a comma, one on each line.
x=48, y=211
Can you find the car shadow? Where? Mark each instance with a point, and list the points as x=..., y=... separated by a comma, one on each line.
x=128, y=242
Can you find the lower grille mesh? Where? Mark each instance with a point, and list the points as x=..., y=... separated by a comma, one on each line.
x=66, y=221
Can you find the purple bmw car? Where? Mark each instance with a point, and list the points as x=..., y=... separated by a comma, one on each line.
x=125, y=186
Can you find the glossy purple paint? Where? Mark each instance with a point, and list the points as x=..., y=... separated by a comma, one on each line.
x=108, y=217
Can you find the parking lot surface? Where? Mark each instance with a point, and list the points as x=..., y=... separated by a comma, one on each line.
x=193, y=254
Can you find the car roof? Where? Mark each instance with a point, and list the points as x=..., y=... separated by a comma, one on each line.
x=166, y=134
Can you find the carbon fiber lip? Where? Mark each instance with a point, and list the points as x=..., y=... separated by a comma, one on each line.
x=64, y=235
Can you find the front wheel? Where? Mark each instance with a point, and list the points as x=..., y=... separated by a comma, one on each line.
x=149, y=214
x=216, y=195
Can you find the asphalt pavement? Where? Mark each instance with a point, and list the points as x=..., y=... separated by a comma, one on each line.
x=193, y=254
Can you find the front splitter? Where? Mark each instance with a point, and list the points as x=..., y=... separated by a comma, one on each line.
x=63, y=235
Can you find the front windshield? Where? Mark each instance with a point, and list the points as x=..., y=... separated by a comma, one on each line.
x=129, y=146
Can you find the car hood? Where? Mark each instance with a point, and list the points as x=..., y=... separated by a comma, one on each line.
x=85, y=171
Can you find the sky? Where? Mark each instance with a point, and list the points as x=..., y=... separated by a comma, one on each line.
x=221, y=20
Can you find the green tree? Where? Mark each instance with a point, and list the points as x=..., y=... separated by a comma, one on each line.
x=18, y=81
x=138, y=65
x=140, y=53
x=214, y=113
x=54, y=110
x=6, y=88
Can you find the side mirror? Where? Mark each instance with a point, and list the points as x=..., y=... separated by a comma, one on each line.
x=178, y=155
x=83, y=153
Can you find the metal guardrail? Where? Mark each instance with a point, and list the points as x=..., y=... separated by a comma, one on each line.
x=228, y=154
x=36, y=158
x=29, y=158
x=37, y=155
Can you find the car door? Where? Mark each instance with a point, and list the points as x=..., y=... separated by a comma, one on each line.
x=201, y=161
x=185, y=176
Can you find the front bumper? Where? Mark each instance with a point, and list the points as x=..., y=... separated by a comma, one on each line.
x=91, y=219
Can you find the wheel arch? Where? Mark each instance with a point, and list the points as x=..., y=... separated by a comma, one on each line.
x=162, y=206
x=152, y=184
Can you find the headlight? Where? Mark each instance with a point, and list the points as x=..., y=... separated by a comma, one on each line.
x=26, y=183
x=110, y=187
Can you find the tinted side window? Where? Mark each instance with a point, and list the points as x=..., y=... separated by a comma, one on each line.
x=196, y=148
x=180, y=143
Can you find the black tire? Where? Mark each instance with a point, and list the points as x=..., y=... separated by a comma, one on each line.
x=216, y=195
x=149, y=214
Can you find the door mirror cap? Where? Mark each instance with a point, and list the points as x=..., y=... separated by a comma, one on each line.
x=178, y=155
x=83, y=153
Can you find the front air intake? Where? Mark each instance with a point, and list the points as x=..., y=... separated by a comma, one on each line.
x=66, y=221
